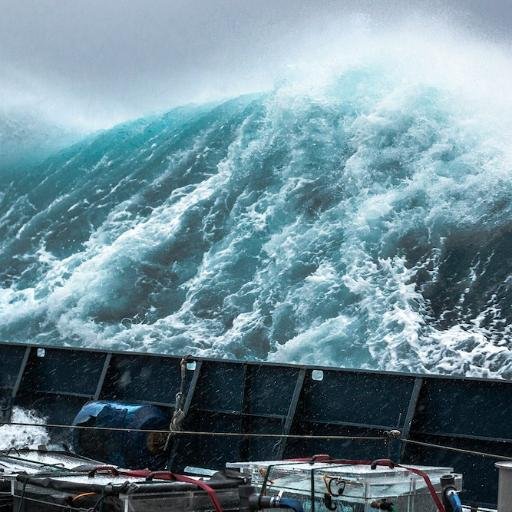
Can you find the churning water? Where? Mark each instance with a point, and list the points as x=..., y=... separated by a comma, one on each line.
x=362, y=222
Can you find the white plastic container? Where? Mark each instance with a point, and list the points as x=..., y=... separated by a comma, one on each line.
x=351, y=488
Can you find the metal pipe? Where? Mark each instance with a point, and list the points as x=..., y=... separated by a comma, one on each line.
x=504, y=486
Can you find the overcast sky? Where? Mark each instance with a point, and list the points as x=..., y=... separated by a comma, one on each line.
x=96, y=62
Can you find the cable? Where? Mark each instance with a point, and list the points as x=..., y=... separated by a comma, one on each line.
x=263, y=435
x=67, y=507
x=59, y=465
x=454, y=449
x=199, y=433
x=83, y=495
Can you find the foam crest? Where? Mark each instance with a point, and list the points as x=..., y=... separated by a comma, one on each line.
x=17, y=437
x=360, y=221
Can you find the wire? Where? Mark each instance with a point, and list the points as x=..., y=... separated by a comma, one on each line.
x=454, y=449
x=83, y=495
x=198, y=433
x=384, y=437
x=41, y=465
x=35, y=500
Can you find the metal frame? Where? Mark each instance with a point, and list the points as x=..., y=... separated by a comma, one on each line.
x=255, y=397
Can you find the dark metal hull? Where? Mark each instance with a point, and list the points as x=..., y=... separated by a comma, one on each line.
x=266, y=398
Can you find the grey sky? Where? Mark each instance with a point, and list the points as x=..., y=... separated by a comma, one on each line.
x=97, y=62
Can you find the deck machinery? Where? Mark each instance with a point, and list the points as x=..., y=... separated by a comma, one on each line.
x=252, y=411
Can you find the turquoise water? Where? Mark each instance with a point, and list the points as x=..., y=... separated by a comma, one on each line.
x=365, y=223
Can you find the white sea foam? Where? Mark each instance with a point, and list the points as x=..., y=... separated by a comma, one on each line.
x=16, y=436
x=327, y=229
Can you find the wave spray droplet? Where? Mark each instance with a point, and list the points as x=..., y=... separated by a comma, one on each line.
x=361, y=222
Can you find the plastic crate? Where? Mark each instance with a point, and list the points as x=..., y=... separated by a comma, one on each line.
x=351, y=488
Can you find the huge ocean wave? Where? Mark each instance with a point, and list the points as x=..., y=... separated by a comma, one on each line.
x=363, y=223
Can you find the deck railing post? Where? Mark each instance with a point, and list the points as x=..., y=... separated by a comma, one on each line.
x=504, y=486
